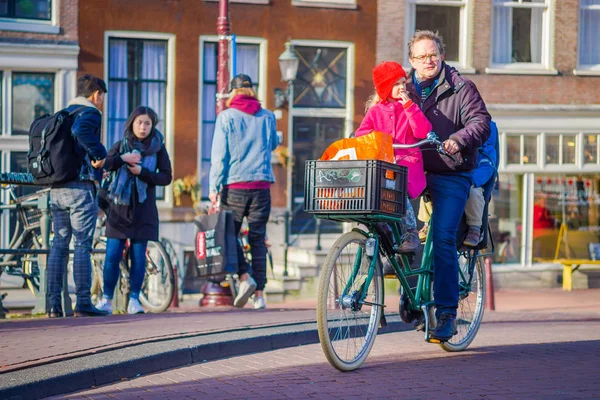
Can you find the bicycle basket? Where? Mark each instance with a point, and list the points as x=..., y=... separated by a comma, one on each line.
x=30, y=215
x=355, y=187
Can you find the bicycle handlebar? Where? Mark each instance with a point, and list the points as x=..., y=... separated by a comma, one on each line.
x=431, y=138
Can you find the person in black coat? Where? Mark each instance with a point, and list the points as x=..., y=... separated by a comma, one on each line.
x=137, y=164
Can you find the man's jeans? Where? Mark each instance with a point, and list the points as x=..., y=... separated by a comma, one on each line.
x=449, y=194
x=74, y=213
x=137, y=271
x=255, y=204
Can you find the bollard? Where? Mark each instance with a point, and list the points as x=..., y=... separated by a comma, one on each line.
x=489, y=281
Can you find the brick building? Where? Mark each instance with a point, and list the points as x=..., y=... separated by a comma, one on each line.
x=163, y=53
x=38, y=69
x=536, y=64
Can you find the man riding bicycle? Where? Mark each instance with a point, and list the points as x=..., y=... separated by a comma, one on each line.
x=459, y=117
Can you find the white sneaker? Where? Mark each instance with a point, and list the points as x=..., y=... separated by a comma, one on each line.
x=260, y=303
x=134, y=307
x=246, y=289
x=105, y=305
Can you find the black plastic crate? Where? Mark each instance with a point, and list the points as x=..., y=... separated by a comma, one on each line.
x=355, y=187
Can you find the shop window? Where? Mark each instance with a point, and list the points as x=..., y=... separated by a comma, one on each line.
x=247, y=62
x=321, y=78
x=589, y=32
x=561, y=149
x=449, y=19
x=590, y=149
x=506, y=219
x=565, y=215
x=26, y=9
x=522, y=149
x=520, y=32
x=32, y=97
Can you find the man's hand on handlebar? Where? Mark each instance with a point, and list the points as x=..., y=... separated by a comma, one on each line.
x=451, y=147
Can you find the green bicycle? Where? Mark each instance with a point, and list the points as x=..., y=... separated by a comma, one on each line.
x=351, y=288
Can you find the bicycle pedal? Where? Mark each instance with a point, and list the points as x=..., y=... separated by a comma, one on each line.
x=432, y=340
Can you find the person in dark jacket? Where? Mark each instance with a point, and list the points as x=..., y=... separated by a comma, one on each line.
x=137, y=164
x=73, y=204
x=460, y=118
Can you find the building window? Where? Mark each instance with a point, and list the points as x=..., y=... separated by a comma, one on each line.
x=589, y=32
x=520, y=32
x=448, y=18
x=137, y=76
x=26, y=9
x=247, y=62
x=32, y=97
x=321, y=78
x=506, y=224
x=590, y=149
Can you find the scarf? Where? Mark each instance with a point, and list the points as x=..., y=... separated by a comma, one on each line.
x=245, y=103
x=122, y=180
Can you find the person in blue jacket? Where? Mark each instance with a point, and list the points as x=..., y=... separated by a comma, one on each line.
x=487, y=165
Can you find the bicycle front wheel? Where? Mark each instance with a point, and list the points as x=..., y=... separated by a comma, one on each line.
x=470, y=302
x=347, y=327
x=159, y=283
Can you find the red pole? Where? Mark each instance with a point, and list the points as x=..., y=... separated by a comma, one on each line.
x=223, y=30
x=489, y=281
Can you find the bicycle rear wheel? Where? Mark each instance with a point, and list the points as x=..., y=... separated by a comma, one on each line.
x=159, y=286
x=347, y=329
x=470, y=302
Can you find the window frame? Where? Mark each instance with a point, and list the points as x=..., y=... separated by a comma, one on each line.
x=546, y=66
x=168, y=128
x=465, y=48
x=585, y=69
x=34, y=25
x=261, y=92
x=344, y=4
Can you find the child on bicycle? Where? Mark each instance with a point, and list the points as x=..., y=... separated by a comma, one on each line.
x=137, y=164
x=390, y=110
x=487, y=162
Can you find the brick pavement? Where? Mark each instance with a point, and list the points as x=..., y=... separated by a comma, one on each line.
x=81, y=336
x=517, y=355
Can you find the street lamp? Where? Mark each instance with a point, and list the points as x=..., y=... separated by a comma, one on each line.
x=288, y=64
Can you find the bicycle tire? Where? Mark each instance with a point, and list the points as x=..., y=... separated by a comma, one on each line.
x=97, y=288
x=31, y=269
x=158, y=288
x=340, y=328
x=470, y=305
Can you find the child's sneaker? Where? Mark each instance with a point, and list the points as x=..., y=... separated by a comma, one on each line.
x=472, y=238
x=134, y=307
x=410, y=242
x=423, y=233
x=105, y=305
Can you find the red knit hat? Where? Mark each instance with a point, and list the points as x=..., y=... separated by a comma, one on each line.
x=385, y=75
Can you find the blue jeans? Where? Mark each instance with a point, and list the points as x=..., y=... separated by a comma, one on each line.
x=74, y=212
x=255, y=205
x=449, y=194
x=137, y=269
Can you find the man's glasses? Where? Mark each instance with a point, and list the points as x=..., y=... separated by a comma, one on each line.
x=426, y=57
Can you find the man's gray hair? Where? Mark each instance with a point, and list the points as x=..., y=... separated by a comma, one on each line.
x=422, y=35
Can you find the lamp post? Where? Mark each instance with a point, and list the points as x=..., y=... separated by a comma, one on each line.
x=223, y=30
x=288, y=64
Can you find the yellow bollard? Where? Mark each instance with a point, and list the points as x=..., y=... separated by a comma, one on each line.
x=567, y=277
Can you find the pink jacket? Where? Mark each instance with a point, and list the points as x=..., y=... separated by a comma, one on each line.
x=406, y=125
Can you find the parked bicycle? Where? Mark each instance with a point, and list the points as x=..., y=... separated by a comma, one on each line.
x=158, y=288
x=351, y=290
x=26, y=235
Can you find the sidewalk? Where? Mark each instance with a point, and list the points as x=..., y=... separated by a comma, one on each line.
x=76, y=353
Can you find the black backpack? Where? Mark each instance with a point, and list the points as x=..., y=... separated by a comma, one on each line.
x=53, y=155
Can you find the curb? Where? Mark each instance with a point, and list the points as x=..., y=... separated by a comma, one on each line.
x=115, y=365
